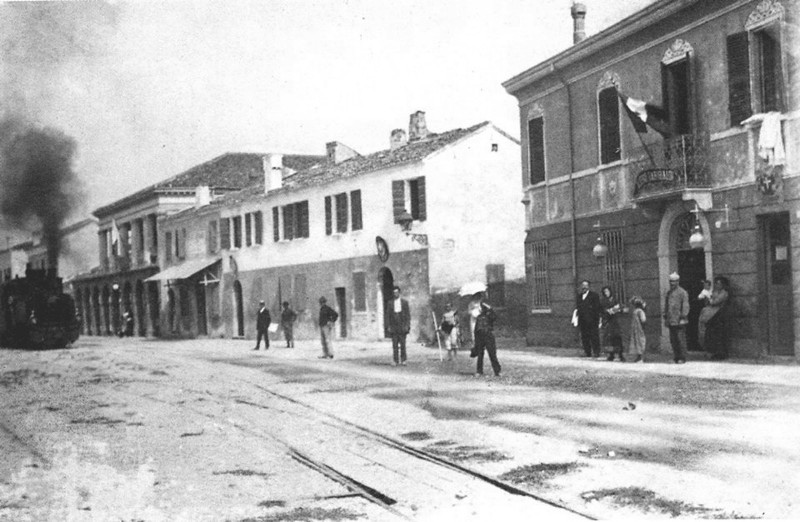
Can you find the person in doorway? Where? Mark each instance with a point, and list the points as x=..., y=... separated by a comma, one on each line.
x=450, y=328
x=263, y=321
x=612, y=333
x=288, y=317
x=399, y=326
x=327, y=318
x=638, y=341
x=716, y=335
x=676, y=317
x=483, y=334
x=705, y=312
x=588, y=313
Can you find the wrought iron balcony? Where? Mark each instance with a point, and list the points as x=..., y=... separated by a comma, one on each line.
x=671, y=167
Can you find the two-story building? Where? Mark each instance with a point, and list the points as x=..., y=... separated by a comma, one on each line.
x=128, y=239
x=429, y=213
x=669, y=142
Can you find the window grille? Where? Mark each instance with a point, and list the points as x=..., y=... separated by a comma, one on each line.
x=614, y=270
x=212, y=236
x=537, y=274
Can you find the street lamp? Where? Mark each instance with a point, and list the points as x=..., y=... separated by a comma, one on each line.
x=697, y=239
x=600, y=248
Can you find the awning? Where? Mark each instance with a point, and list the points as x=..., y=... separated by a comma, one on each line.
x=185, y=270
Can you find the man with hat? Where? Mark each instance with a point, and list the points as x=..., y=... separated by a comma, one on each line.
x=263, y=320
x=327, y=318
x=676, y=317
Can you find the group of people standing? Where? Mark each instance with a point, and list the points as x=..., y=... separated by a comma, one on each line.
x=601, y=313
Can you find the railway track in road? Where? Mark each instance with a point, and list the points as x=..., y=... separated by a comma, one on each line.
x=405, y=481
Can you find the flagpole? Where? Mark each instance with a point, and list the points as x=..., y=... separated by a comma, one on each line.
x=647, y=149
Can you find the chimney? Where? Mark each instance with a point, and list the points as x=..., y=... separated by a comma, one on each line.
x=339, y=152
x=417, y=129
x=578, y=18
x=202, y=196
x=397, y=139
x=273, y=172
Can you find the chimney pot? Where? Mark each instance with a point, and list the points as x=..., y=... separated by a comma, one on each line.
x=273, y=172
x=417, y=128
x=398, y=139
x=202, y=195
x=578, y=21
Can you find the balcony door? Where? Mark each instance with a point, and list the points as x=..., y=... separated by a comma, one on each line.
x=676, y=85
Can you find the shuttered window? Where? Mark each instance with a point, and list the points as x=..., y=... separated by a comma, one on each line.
x=676, y=85
x=288, y=222
x=258, y=222
x=276, y=224
x=301, y=219
x=536, y=150
x=237, y=232
x=213, y=236
x=398, y=199
x=328, y=216
x=608, y=111
x=225, y=233
x=738, y=78
x=614, y=269
x=248, y=229
x=418, y=201
x=168, y=246
x=355, y=210
x=341, y=212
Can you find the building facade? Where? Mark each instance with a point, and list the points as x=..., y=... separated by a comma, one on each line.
x=428, y=214
x=669, y=142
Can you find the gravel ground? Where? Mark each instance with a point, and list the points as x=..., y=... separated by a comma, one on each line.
x=198, y=430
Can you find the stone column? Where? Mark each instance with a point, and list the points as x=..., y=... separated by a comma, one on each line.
x=136, y=240
x=147, y=238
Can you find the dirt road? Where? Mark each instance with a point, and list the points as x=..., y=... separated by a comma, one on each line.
x=209, y=430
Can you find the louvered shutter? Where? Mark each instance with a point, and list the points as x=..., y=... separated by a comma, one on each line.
x=225, y=233
x=302, y=219
x=258, y=217
x=422, y=212
x=328, y=216
x=288, y=222
x=276, y=224
x=341, y=212
x=738, y=78
x=248, y=228
x=355, y=209
x=536, y=150
x=398, y=199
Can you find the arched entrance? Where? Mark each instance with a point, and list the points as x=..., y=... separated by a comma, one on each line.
x=238, y=305
x=693, y=265
x=98, y=312
x=106, y=308
x=385, y=285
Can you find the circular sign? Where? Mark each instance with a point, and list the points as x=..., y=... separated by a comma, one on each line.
x=383, y=248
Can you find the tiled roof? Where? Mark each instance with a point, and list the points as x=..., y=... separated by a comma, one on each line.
x=321, y=174
x=231, y=171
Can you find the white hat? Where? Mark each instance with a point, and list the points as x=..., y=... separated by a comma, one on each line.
x=674, y=276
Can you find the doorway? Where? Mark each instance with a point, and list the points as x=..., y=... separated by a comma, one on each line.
x=778, y=283
x=692, y=269
x=202, y=324
x=238, y=304
x=341, y=303
x=386, y=280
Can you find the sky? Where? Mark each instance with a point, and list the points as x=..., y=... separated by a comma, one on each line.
x=149, y=89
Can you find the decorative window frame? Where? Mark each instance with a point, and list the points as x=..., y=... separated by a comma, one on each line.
x=677, y=51
x=767, y=16
x=608, y=80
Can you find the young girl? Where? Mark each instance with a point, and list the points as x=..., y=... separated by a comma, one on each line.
x=638, y=320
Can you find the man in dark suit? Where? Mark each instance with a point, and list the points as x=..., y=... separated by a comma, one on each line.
x=588, y=307
x=399, y=318
x=263, y=320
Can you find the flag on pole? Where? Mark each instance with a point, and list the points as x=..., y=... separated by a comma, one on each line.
x=114, y=237
x=643, y=114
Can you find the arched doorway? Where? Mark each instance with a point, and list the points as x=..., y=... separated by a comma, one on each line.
x=385, y=285
x=97, y=310
x=238, y=304
x=692, y=270
x=141, y=330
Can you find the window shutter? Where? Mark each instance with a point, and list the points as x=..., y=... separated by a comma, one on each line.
x=608, y=105
x=258, y=217
x=328, y=216
x=248, y=227
x=276, y=224
x=738, y=78
x=237, y=232
x=302, y=219
x=771, y=73
x=168, y=246
x=398, y=199
x=536, y=150
x=421, y=203
x=341, y=212
x=355, y=209
x=288, y=222
x=225, y=233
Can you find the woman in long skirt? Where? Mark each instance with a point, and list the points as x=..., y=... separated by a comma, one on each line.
x=638, y=340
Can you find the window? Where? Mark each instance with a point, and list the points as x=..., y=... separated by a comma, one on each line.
x=237, y=231
x=328, y=217
x=608, y=113
x=536, y=150
x=614, y=270
x=496, y=284
x=225, y=233
x=738, y=78
x=536, y=266
x=276, y=224
x=300, y=292
x=295, y=221
x=360, y=291
x=767, y=64
x=409, y=196
x=168, y=244
x=182, y=254
x=676, y=92
x=213, y=235
x=341, y=212
x=248, y=229
x=288, y=222
x=258, y=225
x=355, y=210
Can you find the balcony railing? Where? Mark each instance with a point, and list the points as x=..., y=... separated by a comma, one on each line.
x=669, y=167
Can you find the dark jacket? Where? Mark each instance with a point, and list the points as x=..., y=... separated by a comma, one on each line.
x=263, y=320
x=589, y=310
x=327, y=315
x=484, y=323
x=288, y=316
x=398, y=323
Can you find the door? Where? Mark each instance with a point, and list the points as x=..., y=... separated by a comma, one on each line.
x=692, y=269
x=387, y=284
x=238, y=304
x=778, y=281
x=341, y=304
x=202, y=324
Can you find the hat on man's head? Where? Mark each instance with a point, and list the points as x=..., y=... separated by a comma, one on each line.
x=323, y=300
x=261, y=302
x=674, y=276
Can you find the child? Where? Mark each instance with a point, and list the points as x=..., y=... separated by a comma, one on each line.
x=705, y=295
x=449, y=328
x=638, y=320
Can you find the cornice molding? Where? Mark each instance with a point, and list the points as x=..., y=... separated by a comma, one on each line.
x=766, y=12
x=677, y=51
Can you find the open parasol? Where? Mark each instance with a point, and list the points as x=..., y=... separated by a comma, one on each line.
x=472, y=288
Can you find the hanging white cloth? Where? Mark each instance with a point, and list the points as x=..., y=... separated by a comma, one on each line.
x=770, y=140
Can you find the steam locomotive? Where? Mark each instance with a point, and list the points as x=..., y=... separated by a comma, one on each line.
x=36, y=313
